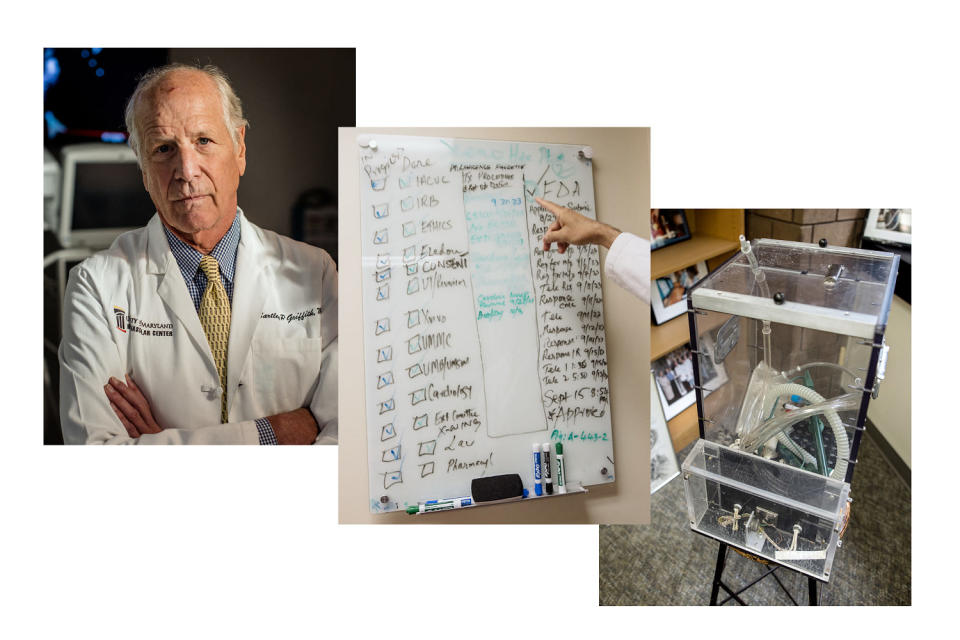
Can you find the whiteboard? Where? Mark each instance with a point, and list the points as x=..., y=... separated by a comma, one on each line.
x=477, y=344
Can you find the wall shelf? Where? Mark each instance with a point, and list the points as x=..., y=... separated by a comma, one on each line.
x=715, y=237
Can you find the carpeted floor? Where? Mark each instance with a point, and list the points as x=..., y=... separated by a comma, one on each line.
x=666, y=563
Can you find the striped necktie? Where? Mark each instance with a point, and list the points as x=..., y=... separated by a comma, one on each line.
x=215, y=320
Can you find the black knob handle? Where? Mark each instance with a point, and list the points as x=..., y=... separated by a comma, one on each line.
x=823, y=243
x=778, y=297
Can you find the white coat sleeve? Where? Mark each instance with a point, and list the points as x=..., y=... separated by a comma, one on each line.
x=88, y=358
x=323, y=405
x=628, y=264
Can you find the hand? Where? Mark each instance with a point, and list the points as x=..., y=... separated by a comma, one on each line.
x=131, y=406
x=572, y=228
x=295, y=427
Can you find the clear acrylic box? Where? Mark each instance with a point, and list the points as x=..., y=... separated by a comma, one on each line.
x=754, y=504
x=788, y=346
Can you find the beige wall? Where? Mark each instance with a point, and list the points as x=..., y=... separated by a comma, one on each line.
x=621, y=172
x=890, y=412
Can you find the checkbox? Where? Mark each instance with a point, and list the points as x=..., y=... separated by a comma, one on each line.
x=381, y=210
x=413, y=318
x=418, y=396
x=405, y=181
x=414, y=371
x=380, y=237
x=384, y=354
x=411, y=269
x=383, y=275
x=383, y=260
x=383, y=325
x=383, y=292
x=413, y=344
x=407, y=203
x=384, y=379
x=391, y=454
x=410, y=254
x=427, y=448
x=420, y=422
x=413, y=286
x=387, y=431
x=427, y=469
x=387, y=405
x=409, y=229
x=378, y=185
x=391, y=478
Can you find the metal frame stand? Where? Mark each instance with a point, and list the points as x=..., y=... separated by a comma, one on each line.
x=813, y=594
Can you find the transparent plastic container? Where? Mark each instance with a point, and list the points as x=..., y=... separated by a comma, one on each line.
x=755, y=504
x=788, y=346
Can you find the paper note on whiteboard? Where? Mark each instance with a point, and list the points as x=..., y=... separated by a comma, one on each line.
x=477, y=344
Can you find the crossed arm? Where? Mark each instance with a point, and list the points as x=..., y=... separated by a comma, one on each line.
x=132, y=408
x=88, y=358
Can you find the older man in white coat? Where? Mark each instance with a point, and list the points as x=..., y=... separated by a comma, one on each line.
x=199, y=328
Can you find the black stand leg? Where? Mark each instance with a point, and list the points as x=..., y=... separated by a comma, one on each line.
x=812, y=586
x=718, y=574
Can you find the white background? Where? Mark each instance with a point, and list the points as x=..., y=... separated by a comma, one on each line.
x=820, y=104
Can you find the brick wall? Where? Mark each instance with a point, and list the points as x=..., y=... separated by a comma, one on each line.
x=843, y=227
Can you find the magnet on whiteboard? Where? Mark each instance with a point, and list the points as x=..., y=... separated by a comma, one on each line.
x=373, y=145
x=586, y=153
x=366, y=141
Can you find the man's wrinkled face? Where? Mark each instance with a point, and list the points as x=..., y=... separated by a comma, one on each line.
x=191, y=167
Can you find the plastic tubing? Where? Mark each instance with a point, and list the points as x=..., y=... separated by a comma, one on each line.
x=760, y=278
x=818, y=406
x=793, y=372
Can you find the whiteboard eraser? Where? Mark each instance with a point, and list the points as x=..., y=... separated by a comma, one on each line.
x=497, y=488
x=586, y=153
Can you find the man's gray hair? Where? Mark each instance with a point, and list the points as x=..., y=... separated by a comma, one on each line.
x=232, y=108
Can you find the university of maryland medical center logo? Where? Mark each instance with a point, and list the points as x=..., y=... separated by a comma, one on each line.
x=121, y=316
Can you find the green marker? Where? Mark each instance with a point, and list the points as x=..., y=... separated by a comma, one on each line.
x=440, y=505
x=561, y=474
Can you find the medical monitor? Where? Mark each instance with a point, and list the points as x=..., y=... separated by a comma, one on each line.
x=102, y=195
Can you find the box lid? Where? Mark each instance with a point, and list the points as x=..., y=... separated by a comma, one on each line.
x=836, y=289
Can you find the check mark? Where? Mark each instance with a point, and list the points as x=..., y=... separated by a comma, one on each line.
x=387, y=431
x=418, y=396
x=384, y=379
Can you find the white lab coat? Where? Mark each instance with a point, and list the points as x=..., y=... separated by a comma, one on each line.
x=127, y=310
x=628, y=264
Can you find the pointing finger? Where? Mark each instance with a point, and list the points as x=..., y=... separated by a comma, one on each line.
x=552, y=207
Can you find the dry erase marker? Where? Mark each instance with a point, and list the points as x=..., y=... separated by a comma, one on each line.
x=538, y=483
x=561, y=474
x=440, y=505
x=546, y=468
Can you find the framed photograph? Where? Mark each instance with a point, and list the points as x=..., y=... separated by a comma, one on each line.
x=673, y=374
x=670, y=292
x=889, y=225
x=663, y=461
x=667, y=226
